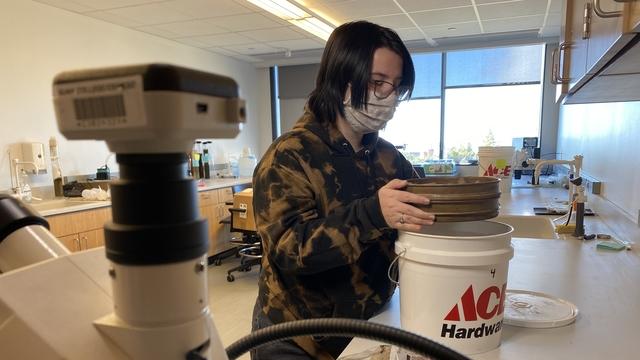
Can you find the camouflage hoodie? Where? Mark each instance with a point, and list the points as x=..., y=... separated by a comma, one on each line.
x=326, y=245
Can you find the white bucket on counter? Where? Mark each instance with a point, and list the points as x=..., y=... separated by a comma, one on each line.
x=453, y=278
x=497, y=161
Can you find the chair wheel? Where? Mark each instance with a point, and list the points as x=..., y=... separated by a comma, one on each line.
x=230, y=278
x=217, y=262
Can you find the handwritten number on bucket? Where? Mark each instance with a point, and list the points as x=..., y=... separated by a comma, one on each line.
x=493, y=273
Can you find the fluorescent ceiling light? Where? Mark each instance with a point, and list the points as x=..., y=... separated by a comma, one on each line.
x=296, y=16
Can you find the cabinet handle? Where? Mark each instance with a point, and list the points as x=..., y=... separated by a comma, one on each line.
x=586, y=21
x=559, y=78
x=77, y=241
x=85, y=242
x=604, y=14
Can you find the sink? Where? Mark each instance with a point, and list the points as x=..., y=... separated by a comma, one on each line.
x=529, y=226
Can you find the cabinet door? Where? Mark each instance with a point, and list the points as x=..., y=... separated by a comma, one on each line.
x=209, y=197
x=77, y=222
x=225, y=195
x=91, y=239
x=576, y=53
x=211, y=214
x=607, y=36
x=632, y=17
x=71, y=242
x=222, y=236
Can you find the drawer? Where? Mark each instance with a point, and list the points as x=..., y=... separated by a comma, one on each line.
x=208, y=197
x=73, y=223
x=225, y=195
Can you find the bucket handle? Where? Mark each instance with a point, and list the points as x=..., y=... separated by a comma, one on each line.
x=391, y=266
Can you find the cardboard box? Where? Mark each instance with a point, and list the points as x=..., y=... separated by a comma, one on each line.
x=243, y=220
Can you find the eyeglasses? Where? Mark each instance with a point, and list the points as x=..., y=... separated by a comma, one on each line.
x=382, y=89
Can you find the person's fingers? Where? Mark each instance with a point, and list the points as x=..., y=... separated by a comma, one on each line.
x=415, y=212
x=407, y=197
x=410, y=220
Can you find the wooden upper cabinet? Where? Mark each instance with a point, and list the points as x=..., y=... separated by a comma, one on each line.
x=632, y=18
x=607, y=35
x=569, y=64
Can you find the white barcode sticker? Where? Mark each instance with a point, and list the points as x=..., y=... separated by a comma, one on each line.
x=100, y=104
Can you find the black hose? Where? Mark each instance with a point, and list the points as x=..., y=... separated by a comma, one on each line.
x=342, y=328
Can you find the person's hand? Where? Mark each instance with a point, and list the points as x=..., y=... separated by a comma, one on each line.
x=397, y=210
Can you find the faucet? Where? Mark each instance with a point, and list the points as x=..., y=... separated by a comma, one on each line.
x=576, y=189
x=19, y=190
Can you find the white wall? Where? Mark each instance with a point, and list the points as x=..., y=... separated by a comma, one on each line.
x=608, y=135
x=39, y=41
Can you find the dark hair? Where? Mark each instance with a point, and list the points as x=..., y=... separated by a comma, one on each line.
x=347, y=59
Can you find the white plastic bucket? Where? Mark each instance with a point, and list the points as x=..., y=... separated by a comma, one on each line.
x=497, y=161
x=453, y=278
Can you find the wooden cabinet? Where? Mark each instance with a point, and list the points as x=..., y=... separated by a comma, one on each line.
x=595, y=35
x=83, y=230
x=80, y=230
x=607, y=35
x=570, y=59
x=632, y=20
x=213, y=207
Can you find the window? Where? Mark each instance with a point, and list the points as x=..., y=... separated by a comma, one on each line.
x=490, y=96
x=422, y=142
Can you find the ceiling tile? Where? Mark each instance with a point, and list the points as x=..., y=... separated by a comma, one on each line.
x=246, y=22
x=512, y=9
x=359, y=9
x=150, y=14
x=392, y=21
x=222, y=51
x=185, y=29
x=408, y=34
x=220, y=39
x=274, y=34
x=102, y=4
x=453, y=30
x=68, y=5
x=300, y=44
x=421, y=5
x=513, y=24
x=114, y=19
x=483, y=2
x=443, y=17
x=251, y=49
x=209, y=8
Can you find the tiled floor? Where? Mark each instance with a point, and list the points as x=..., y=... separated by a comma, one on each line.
x=232, y=302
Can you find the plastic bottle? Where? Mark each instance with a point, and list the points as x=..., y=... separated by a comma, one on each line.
x=200, y=158
x=195, y=162
x=206, y=159
x=247, y=163
x=56, y=170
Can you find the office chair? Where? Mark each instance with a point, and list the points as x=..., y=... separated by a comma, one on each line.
x=249, y=247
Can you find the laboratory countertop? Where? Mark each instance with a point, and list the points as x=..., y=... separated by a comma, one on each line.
x=603, y=284
x=60, y=205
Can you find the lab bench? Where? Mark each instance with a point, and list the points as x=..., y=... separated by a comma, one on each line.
x=78, y=224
